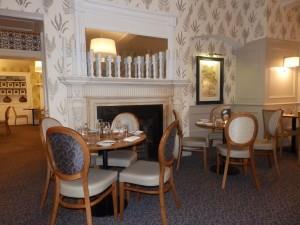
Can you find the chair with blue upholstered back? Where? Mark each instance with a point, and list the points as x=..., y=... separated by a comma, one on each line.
x=69, y=159
x=153, y=177
x=45, y=124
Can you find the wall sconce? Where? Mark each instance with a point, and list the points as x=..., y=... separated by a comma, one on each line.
x=105, y=46
x=38, y=66
x=291, y=61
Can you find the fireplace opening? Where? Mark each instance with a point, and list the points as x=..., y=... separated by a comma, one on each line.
x=150, y=119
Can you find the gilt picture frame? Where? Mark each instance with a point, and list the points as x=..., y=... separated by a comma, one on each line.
x=209, y=80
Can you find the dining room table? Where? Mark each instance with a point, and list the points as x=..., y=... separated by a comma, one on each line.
x=102, y=144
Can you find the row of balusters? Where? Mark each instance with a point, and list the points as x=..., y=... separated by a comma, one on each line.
x=143, y=67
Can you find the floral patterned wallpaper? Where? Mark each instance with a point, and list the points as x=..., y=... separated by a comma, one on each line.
x=217, y=26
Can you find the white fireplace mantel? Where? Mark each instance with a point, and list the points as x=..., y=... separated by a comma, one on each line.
x=120, y=81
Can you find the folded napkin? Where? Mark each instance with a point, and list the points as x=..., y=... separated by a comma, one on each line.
x=132, y=138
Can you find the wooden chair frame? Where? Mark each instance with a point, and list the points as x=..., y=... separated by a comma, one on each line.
x=231, y=144
x=275, y=139
x=202, y=150
x=49, y=172
x=163, y=187
x=83, y=174
x=19, y=116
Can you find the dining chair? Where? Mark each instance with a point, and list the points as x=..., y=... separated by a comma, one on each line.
x=153, y=177
x=124, y=157
x=19, y=116
x=190, y=144
x=6, y=120
x=272, y=129
x=216, y=114
x=240, y=132
x=45, y=124
x=70, y=158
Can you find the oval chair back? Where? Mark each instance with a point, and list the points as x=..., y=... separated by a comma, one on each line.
x=241, y=129
x=45, y=124
x=271, y=120
x=128, y=119
x=167, y=145
x=68, y=153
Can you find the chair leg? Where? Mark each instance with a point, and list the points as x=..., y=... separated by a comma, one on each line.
x=179, y=158
x=210, y=143
x=245, y=166
x=218, y=164
x=225, y=172
x=162, y=205
x=115, y=201
x=121, y=193
x=15, y=121
x=276, y=162
x=253, y=168
x=55, y=204
x=205, y=159
x=8, y=131
x=87, y=203
x=174, y=192
x=47, y=181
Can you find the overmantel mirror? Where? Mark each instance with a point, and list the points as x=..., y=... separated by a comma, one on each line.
x=140, y=34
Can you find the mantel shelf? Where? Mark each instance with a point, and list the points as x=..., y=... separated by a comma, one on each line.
x=94, y=81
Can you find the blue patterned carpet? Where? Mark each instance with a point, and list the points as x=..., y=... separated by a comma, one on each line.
x=22, y=169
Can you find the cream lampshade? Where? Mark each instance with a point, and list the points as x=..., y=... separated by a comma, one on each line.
x=291, y=61
x=105, y=46
x=38, y=66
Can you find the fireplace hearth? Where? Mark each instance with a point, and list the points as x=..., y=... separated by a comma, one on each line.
x=151, y=122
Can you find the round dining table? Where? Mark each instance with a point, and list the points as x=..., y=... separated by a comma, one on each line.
x=118, y=141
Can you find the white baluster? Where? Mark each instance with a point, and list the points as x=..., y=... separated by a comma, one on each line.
x=148, y=66
x=161, y=67
x=142, y=68
x=118, y=66
x=98, y=69
x=166, y=62
x=90, y=63
x=154, y=66
x=127, y=62
x=135, y=67
x=108, y=66
x=138, y=65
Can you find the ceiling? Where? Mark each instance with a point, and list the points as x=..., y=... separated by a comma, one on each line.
x=129, y=44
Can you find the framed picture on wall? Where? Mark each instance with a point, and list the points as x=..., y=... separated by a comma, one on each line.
x=9, y=91
x=209, y=80
x=16, y=92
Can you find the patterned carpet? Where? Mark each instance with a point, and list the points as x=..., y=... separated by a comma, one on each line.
x=22, y=169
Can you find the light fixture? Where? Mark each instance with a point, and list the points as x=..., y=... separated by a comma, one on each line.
x=105, y=46
x=291, y=61
x=38, y=66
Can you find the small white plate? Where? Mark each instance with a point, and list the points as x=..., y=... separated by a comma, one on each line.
x=106, y=143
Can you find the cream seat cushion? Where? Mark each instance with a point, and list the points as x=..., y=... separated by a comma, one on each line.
x=119, y=158
x=263, y=144
x=98, y=181
x=234, y=152
x=144, y=173
x=194, y=142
